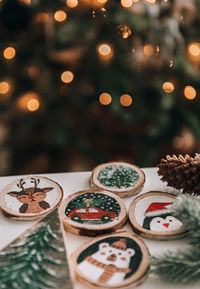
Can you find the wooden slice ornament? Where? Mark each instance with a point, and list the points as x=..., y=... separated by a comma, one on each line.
x=118, y=260
x=30, y=197
x=121, y=178
x=150, y=216
x=91, y=213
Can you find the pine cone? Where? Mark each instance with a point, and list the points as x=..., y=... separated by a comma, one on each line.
x=181, y=172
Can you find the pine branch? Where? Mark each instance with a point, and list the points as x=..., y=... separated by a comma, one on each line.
x=178, y=267
x=29, y=263
x=182, y=266
x=187, y=209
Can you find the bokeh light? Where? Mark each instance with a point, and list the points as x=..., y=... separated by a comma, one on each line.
x=60, y=16
x=27, y=2
x=105, y=98
x=126, y=3
x=67, y=76
x=72, y=3
x=190, y=92
x=28, y=101
x=126, y=100
x=105, y=51
x=150, y=1
x=9, y=52
x=33, y=104
x=148, y=50
x=4, y=87
x=171, y=63
x=124, y=31
x=194, y=49
x=102, y=1
x=42, y=17
x=168, y=87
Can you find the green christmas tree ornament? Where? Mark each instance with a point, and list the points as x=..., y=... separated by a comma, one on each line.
x=121, y=178
x=36, y=259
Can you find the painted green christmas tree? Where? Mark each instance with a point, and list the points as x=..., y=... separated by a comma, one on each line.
x=37, y=259
x=91, y=203
x=119, y=177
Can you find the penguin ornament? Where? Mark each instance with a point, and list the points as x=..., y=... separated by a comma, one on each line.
x=151, y=217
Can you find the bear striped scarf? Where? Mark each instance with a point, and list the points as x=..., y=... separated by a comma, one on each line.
x=109, y=270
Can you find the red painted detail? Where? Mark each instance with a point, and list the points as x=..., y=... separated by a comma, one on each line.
x=166, y=225
x=91, y=213
x=158, y=206
x=123, y=258
x=102, y=253
x=31, y=197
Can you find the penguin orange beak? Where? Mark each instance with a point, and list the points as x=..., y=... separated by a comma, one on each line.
x=166, y=225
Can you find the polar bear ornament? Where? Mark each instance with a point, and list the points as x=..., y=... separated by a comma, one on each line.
x=113, y=261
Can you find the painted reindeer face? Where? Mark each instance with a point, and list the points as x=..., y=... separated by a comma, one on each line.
x=31, y=195
x=28, y=197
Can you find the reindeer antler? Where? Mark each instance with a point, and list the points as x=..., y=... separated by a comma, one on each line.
x=35, y=181
x=21, y=184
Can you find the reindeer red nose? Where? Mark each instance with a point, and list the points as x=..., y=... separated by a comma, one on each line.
x=31, y=197
x=166, y=225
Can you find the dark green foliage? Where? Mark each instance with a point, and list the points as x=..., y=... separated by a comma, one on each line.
x=37, y=260
x=182, y=266
x=70, y=117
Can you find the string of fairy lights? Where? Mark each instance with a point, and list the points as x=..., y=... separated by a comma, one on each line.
x=30, y=101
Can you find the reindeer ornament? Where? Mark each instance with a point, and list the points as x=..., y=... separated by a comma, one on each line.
x=37, y=195
x=31, y=197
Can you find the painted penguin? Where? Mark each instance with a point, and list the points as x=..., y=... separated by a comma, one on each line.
x=110, y=264
x=158, y=217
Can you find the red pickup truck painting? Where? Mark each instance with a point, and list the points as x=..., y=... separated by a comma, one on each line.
x=92, y=213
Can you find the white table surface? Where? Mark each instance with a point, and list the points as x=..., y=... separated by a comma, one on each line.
x=73, y=182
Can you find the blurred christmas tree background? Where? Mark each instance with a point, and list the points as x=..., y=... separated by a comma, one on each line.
x=88, y=81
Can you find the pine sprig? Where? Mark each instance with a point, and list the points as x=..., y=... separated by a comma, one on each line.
x=178, y=267
x=29, y=264
x=182, y=266
x=187, y=209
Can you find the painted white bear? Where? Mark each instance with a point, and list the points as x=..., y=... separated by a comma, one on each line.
x=109, y=264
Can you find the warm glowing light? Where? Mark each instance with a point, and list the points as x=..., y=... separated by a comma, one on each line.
x=171, y=63
x=33, y=104
x=126, y=3
x=9, y=53
x=42, y=17
x=28, y=2
x=150, y=1
x=105, y=98
x=102, y=1
x=190, y=92
x=168, y=87
x=194, y=49
x=67, y=76
x=148, y=50
x=72, y=3
x=105, y=51
x=33, y=71
x=28, y=101
x=126, y=100
x=135, y=1
x=60, y=16
x=4, y=87
x=124, y=31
